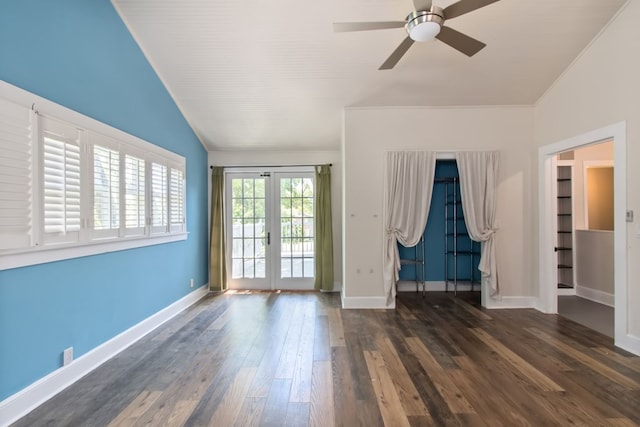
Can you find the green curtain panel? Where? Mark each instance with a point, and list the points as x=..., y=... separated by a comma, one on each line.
x=323, y=230
x=217, y=264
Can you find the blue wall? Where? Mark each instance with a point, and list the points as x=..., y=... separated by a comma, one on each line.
x=79, y=54
x=434, y=236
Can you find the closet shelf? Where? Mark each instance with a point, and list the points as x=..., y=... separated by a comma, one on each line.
x=456, y=237
x=418, y=264
x=564, y=251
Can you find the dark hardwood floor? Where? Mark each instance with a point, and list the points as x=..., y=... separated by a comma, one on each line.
x=297, y=359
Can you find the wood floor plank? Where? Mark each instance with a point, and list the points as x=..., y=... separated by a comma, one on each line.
x=344, y=397
x=137, y=407
x=228, y=410
x=290, y=349
x=388, y=400
x=180, y=412
x=322, y=346
x=447, y=388
x=297, y=415
x=275, y=408
x=336, y=330
x=268, y=347
x=475, y=311
x=631, y=362
x=621, y=422
x=251, y=411
x=322, y=413
x=585, y=359
x=406, y=390
x=535, y=376
x=303, y=365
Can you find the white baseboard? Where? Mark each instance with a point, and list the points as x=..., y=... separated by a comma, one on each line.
x=337, y=287
x=512, y=302
x=365, y=302
x=435, y=286
x=595, y=295
x=566, y=291
x=629, y=343
x=29, y=398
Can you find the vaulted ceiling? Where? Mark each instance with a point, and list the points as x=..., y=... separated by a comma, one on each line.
x=272, y=75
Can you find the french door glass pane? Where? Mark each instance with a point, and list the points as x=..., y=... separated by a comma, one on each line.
x=296, y=227
x=248, y=233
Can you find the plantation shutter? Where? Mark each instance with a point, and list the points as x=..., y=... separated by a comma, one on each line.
x=61, y=182
x=106, y=190
x=134, y=202
x=16, y=192
x=159, y=193
x=176, y=197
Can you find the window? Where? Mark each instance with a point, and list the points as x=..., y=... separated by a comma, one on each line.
x=134, y=196
x=61, y=182
x=159, y=206
x=176, y=200
x=106, y=189
x=16, y=150
x=70, y=182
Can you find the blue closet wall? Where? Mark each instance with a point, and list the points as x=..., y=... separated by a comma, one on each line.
x=79, y=54
x=434, y=235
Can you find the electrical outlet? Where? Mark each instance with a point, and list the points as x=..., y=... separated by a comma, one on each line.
x=191, y=283
x=67, y=356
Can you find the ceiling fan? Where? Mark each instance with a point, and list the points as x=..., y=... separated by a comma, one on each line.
x=423, y=24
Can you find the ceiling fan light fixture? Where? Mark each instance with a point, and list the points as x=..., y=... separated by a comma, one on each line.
x=424, y=25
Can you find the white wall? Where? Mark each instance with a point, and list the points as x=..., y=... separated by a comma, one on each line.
x=594, y=153
x=283, y=158
x=602, y=88
x=370, y=132
x=594, y=260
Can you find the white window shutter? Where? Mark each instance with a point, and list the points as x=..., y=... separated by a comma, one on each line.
x=176, y=197
x=61, y=182
x=16, y=192
x=106, y=191
x=159, y=196
x=134, y=195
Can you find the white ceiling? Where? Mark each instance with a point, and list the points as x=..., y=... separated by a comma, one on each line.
x=272, y=75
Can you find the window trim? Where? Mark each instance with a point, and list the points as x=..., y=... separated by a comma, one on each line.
x=93, y=132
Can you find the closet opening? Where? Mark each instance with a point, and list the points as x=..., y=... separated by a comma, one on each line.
x=585, y=235
x=445, y=259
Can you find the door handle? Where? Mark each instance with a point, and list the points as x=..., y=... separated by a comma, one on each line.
x=268, y=237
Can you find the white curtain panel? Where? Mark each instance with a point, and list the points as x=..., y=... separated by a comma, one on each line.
x=407, y=197
x=478, y=172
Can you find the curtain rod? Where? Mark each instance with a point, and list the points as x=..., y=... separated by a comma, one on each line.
x=270, y=166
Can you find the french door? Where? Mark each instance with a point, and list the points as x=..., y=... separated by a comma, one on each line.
x=270, y=226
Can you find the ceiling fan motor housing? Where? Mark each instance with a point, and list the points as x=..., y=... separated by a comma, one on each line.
x=424, y=25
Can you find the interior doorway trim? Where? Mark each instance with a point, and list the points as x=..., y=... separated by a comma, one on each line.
x=548, y=301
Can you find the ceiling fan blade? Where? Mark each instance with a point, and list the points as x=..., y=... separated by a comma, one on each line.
x=393, y=59
x=462, y=42
x=422, y=4
x=464, y=6
x=340, y=27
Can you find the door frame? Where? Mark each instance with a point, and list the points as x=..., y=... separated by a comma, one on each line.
x=547, y=226
x=272, y=205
